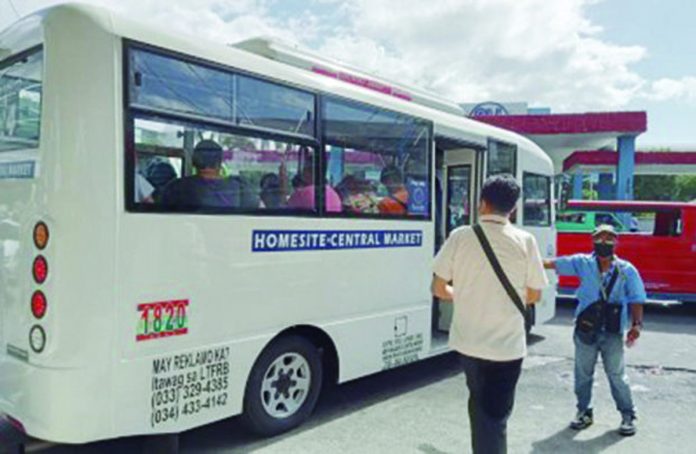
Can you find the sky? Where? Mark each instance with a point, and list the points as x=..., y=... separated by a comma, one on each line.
x=569, y=55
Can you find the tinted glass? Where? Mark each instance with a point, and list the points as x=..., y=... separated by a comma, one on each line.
x=20, y=102
x=458, y=196
x=502, y=158
x=176, y=85
x=274, y=106
x=537, y=200
x=180, y=86
x=246, y=173
x=377, y=161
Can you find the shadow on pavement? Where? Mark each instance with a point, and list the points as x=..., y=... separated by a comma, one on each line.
x=336, y=402
x=564, y=441
x=534, y=339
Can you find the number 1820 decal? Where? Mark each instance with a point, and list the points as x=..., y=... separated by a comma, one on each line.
x=162, y=319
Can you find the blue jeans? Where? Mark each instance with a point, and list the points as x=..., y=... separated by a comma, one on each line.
x=612, y=350
x=491, y=398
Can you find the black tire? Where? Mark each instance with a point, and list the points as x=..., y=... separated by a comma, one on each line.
x=255, y=415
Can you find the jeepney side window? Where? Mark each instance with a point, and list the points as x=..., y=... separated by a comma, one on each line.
x=20, y=100
x=667, y=223
x=607, y=218
x=574, y=218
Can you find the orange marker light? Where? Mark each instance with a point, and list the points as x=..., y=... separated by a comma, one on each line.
x=40, y=235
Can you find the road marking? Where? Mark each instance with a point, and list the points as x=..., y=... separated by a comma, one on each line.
x=538, y=361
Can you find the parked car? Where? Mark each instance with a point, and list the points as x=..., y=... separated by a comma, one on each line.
x=662, y=245
x=586, y=221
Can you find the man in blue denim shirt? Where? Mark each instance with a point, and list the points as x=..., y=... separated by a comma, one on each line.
x=596, y=273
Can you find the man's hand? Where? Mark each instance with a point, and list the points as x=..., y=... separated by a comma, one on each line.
x=632, y=336
x=441, y=289
x=550, y=264
x=533, y=296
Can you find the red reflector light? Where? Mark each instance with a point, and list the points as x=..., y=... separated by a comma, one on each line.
x=38, y=304
x=40, y=269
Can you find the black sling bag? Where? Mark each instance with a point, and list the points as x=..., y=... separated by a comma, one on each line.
x=599, y=313
x=502, y=277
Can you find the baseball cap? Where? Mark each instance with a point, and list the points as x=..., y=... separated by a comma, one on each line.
x=604, y=228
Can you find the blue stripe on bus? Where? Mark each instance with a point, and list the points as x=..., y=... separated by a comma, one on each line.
x=312, y=240
x=21, y=169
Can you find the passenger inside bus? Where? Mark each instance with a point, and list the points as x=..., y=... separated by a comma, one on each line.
x=159, y=174
x=272, y=194
x=396, y=203
x=358, y=195
x=303, y=195
x=207, y=188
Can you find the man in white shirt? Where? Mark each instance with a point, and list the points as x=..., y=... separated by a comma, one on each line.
x=487, y=329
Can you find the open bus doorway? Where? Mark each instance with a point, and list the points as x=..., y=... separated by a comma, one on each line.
x=457, y=182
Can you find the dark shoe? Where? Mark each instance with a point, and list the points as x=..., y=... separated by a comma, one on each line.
x=582, y=420
x=628, y=426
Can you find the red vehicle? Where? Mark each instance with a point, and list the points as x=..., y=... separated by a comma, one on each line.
x=661, y=243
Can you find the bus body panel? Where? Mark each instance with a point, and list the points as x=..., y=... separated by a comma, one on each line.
x=75, y=156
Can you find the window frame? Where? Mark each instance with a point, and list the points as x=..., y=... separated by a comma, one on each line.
x=11, y=60
x=131, y=113
x=317, y=142
x=549, y=221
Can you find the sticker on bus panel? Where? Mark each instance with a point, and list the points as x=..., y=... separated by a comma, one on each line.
x=162, y=319
x=312, y=240
x=186, y=384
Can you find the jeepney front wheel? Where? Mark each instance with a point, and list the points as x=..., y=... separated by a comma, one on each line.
x=283, y=387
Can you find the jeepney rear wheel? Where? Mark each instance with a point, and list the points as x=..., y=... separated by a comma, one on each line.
x=283, y=387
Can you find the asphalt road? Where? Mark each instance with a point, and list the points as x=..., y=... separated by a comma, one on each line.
x=421, y=408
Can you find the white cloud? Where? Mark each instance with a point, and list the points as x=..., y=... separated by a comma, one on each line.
x=672, y=89
x=541, y=51
x=545, y=52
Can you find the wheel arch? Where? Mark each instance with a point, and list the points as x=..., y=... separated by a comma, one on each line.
x=323, y=342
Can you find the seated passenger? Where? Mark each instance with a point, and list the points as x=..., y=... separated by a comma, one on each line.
x=303, y=196
x=358, y=196
x=271, y=194
x=208, y=188
x=396, y=203
x=159, y=173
